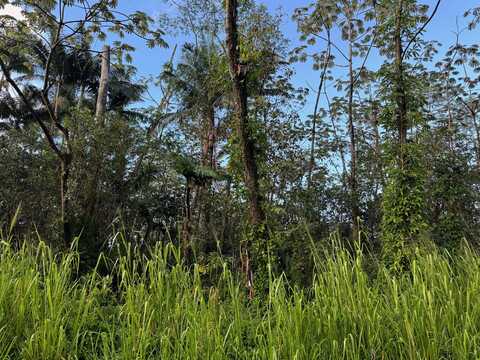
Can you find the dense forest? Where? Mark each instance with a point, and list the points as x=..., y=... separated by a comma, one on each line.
x=218, y=208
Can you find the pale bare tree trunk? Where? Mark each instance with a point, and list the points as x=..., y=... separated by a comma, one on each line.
x=81, y=96
x=57, y=98
x=101, y=106
x=104, y=82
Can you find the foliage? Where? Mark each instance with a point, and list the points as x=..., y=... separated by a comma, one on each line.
x=452, y=200
x=404, y=219
x=381, y=140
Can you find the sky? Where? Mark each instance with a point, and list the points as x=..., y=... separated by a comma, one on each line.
x=149, y=61
x=12, y=11
x=442, y=28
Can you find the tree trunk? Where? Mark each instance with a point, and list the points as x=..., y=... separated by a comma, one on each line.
x=355, y=210
x=401, y=98
x=311, y=164
x=187, y=224
x=208, y=147
x=81, y=96
x=208, y=160
x=225, y=234
x=477, y=136
x=65, y=162
x=57, y=99
x=238, y=72
x=103, y=85
x=100, y=110
x=239, y=78
x=376, y=146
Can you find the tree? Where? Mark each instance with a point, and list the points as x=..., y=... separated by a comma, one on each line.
x=49, y=33
x=404, y=220
x=238, y=73
x=316, y=22
x=199, y=85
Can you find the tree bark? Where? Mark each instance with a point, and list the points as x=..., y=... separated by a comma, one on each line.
x=65, y=163
x=377, y=149
x=311, y=164
x=187, y=224
x=473, y=113
x=101, y=106
x=238, y=73
x=103, y=84
x=239, y=78
x=401, y=98
x=208, y=160
x=208, y=147
x=355, y=209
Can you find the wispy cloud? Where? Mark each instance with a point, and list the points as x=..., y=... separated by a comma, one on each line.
x=13, y=11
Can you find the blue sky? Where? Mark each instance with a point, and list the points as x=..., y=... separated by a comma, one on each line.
x=441, y=28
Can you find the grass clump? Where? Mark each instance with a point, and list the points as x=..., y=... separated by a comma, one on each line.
x=153, y=308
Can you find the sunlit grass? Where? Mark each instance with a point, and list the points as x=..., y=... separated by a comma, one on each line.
x=161, y=311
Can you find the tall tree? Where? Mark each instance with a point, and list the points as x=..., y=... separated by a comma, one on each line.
x=404, y=214
x=238, y=73
x=350, y=18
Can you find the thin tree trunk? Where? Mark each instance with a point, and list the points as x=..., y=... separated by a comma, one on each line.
x=450, y=116
x=225, y=230
x=187, y=224
x=57, y=99
x=401, y=99
x=65, y=163
x=355, y=211
x=208, y=160
x=376, y=144
x=208, y=146
x=100, y=110
x=477, y=136
x=81, y=96
x=311, y=164
x=209, y=153
x=338, y=141
x=104, y=81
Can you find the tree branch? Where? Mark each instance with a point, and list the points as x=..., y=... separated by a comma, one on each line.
x=20, y=93
x=421, y=29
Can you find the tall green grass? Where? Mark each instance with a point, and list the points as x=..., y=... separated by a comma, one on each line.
x=161, y=311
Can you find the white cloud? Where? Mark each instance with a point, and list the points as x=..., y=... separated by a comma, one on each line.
x=13, y=11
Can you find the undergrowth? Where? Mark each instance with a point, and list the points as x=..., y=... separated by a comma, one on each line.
x=151, y=307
